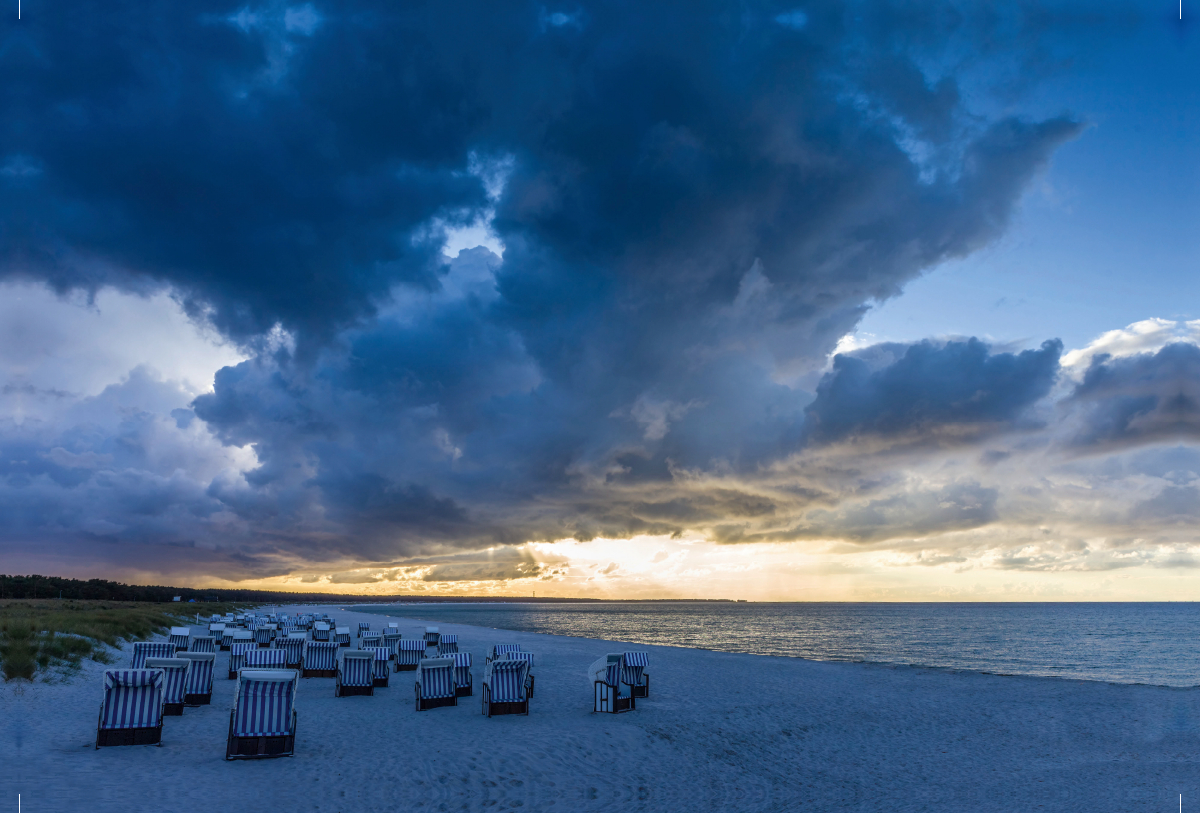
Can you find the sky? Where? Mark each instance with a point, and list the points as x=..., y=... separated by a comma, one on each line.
x=829, y=301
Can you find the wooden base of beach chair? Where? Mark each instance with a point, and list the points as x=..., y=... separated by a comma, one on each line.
x=353, y=691
x=264, y=644
x=642, y=690
x=197, y=699
x=406, y=667
x=223, y=648
x=172, y=709
x=496, y=709
x=381, y=683
x=325, y=673
x=609, y=701
x=426, y=703
x=233, y=674
x=128, y=736
x=464, y=691
x=259, y=747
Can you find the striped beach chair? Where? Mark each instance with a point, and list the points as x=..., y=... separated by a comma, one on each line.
x=391, y=641
x=180, y=637
x=227, y=637
x=242, y=637
x=203, y=643
x=320, y=659
x=265, y=659
x=262, y=634
x=432, y=636
x=611, y=694
x=150, y=649
x=528, y=657
x=363, y=628
x=505, y=687
x=198, y=691
x=383, y=664
x=465, y=686
x=356, y=674
x=500, y=651
x=634, y=674
x=320, y=631
x=131, y=712
x=293, y=649
x=217, y=630
x=409, y=652
x=237, y=656
x=175, y=675
x=435, y=683
x=342, y=636
x=369, y=640
x=447, y=645
x=393, y=627
x=262, y=722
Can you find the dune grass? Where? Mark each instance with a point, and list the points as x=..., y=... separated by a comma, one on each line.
x=39, y=634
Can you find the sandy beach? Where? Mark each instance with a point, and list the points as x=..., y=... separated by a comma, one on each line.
x=719, y=732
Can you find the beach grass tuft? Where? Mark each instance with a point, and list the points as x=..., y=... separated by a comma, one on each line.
x=41, y=634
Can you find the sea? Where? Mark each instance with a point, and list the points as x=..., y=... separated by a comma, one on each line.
x=1149, y=643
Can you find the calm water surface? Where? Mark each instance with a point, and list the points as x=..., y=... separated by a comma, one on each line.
x=1122, y=643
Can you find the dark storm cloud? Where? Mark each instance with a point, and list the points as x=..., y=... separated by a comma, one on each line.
x=1140, y=399
x=930, y=387
x=697, y=200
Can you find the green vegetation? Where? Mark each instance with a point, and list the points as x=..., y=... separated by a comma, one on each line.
x=43, y=633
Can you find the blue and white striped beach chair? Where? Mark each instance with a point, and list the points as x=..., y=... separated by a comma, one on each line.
x=391, y=640
x=217, y=631
x=242, y=637
x=320, y=659
x=342, y=636
x=393, y=627
x=383, y=665
x=262, y=635
x=227, y=637
x=432, y=636
x=175, y=675
x=435, y=683
x=131, y=712
x=200, y=677
x=180, y=638
x=320, y=631
x=462, y=673
x=527, y=657
x=447, y=645
x=237, y=656
x=262, y=722
x=356, y=674
x=203, y=643
x=409, y=652
x=150, y=649
x=265, y=659
x=634, y=673
x=293, y=649
x=500, y=651
x=505, y=687
x=369, y=640
x=363, y=628
x=612, y=695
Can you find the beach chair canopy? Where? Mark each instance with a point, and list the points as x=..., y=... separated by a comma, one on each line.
x=383, y=659
x=237, y=654
x=447, y=644
x=505, y=680
x=296, y=636
x=150, y=649
x=321, y=625
x=264, y=702
x=265, y=659
x=203, y=643
x=635, y=664
x=462, y=668
x=436, y=676
x=320, y=655
x=411, y=645
x=343, y=633
x=133, y=698
x=243, y=635
x=200, y=676
x=392, y=625
x=175, y=676
x=500, y=650
x=357, y=668
x=216, y=630
x=364, y=625
x=524, y=656
x=180, y=636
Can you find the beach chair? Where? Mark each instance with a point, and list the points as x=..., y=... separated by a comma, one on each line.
x=611, y=694
x=391, y=641
x=528, y=657
x=180, y=637
x=505, y=689
x=217, y=630
x=634, y=674
x=198, y=691
x=320, y=631
x=363, y=628
x=432, y=636
x=355, y=674
x=465, y=686
x=262, y=722
x=227, y=638
x=369, y=640
x=262, y=635
x=435, y=683
x=320, y=659
x=150, y=649
x=175, y=675
x=500, y=651
x=447, y=645
x=342, y=636
x=297, y=636
x=265, y=659
x=242, y=637
x=383, y=665
x=131, y=712
x=293, y=649
x=409, y=652
x=393, y=627
x=203, y=643
x=237, y=656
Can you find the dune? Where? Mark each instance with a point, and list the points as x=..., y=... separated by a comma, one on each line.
x=720, y=731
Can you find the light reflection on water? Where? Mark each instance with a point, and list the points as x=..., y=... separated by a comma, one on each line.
x=1118, y=642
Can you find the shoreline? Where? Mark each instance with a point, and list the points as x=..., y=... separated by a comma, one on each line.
x=721, y=730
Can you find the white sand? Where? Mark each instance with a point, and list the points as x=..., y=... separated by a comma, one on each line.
x=719, y=732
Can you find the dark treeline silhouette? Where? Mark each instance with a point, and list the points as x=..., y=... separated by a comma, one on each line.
x=99, y=589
